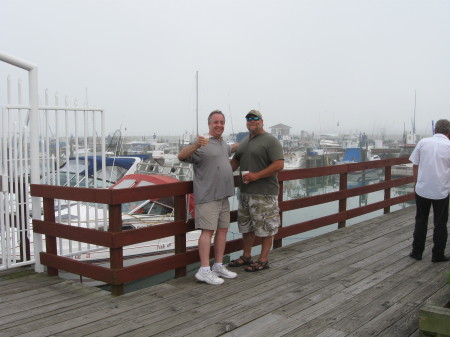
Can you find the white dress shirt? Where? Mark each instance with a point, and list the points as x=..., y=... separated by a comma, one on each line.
x=432, y=154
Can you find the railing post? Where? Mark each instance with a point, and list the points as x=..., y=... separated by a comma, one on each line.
x=34, y=143
x=279, y=243
x=116, y=254
x=50, y=241
x=342, y=202
x=19, y=189
x=180, y=239
x=387, y=191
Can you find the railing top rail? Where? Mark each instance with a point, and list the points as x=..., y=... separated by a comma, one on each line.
x=17, y=61
x=337, y=169
x=118, y=196
x=111, y=196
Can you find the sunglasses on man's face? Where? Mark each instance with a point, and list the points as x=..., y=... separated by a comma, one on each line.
x=254, y=118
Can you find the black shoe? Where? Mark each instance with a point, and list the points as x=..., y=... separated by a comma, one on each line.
x=442, y=258
x=416, y=256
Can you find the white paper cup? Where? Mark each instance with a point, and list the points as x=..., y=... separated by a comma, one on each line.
x=206, y=138
x=243, y=173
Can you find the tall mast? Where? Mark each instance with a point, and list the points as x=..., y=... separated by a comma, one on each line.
x=414, y=122
x=196, y=106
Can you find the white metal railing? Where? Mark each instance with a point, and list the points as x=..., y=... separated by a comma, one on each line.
x=34, y=143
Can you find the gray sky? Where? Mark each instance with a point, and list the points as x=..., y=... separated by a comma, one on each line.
x=308, y=64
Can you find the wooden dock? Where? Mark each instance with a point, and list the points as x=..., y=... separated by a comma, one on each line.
x=357, y=281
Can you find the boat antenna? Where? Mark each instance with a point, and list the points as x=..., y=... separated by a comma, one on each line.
x=196, y=105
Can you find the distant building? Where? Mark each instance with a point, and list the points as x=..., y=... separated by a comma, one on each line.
x=281, y=131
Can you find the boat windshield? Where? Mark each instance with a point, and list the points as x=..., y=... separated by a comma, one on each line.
x=147, y=207
x=405, y=151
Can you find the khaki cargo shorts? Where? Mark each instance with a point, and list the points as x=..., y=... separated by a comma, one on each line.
x=213, y=214
x=258, y=213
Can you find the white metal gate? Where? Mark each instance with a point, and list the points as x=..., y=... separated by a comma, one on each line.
x=34, y=142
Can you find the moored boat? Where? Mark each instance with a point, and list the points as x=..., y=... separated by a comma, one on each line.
x=357, y=155
x=88, y=171
x=404, y=170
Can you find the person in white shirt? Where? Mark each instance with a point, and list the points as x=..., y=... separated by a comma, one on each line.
x=431, y=169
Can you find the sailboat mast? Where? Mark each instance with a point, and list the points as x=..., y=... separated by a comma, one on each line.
x=196, y=105
x=414, y=122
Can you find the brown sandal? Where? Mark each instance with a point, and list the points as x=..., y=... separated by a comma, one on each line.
x=241, y=261
x=257, y=266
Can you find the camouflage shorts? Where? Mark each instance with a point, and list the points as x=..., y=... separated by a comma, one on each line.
x=258, y=213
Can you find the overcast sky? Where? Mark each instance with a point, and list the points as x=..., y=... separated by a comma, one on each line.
x=323, y=66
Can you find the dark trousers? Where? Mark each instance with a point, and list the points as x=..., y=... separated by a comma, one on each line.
x=440, y=211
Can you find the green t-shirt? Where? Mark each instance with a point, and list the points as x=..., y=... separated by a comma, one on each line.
x=255, y=154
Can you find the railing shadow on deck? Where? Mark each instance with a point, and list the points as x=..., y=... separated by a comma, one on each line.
x=115, y=239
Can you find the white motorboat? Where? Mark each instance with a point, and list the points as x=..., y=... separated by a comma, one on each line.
x=293, y=160
x=404, y=170
x=141, y=147
x=88, y=171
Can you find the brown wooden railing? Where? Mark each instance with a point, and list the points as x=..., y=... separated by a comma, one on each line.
x=115, y=239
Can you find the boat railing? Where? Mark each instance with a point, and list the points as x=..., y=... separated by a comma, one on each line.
x=115, y=239
x=181, y=171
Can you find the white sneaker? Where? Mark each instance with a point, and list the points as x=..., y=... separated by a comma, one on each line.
x=222, y=271
x=208, y=276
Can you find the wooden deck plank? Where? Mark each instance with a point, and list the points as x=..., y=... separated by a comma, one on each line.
x=26, y=318
x=239, y=286
x=404, y=326
x=272, y=306
x=357, y=281
x=61, y=322
x=363, y=305
x=304, y=295
x=357, y=304
x=19, y=286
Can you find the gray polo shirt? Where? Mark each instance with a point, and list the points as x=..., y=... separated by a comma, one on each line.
x=213, y=177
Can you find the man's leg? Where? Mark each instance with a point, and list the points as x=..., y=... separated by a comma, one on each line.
x=440, y=211
x=267, y=224
x=245, y=227
x=219, y=247
x=420, y=230
x=245, y=224
x=266, y=246
x=204, y=246
x=219, y=244
x=247, y=239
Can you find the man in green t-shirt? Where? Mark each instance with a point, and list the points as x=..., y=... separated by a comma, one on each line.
x=260, y=158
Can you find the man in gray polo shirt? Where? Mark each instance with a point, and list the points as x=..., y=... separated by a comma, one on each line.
x=213, y=185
